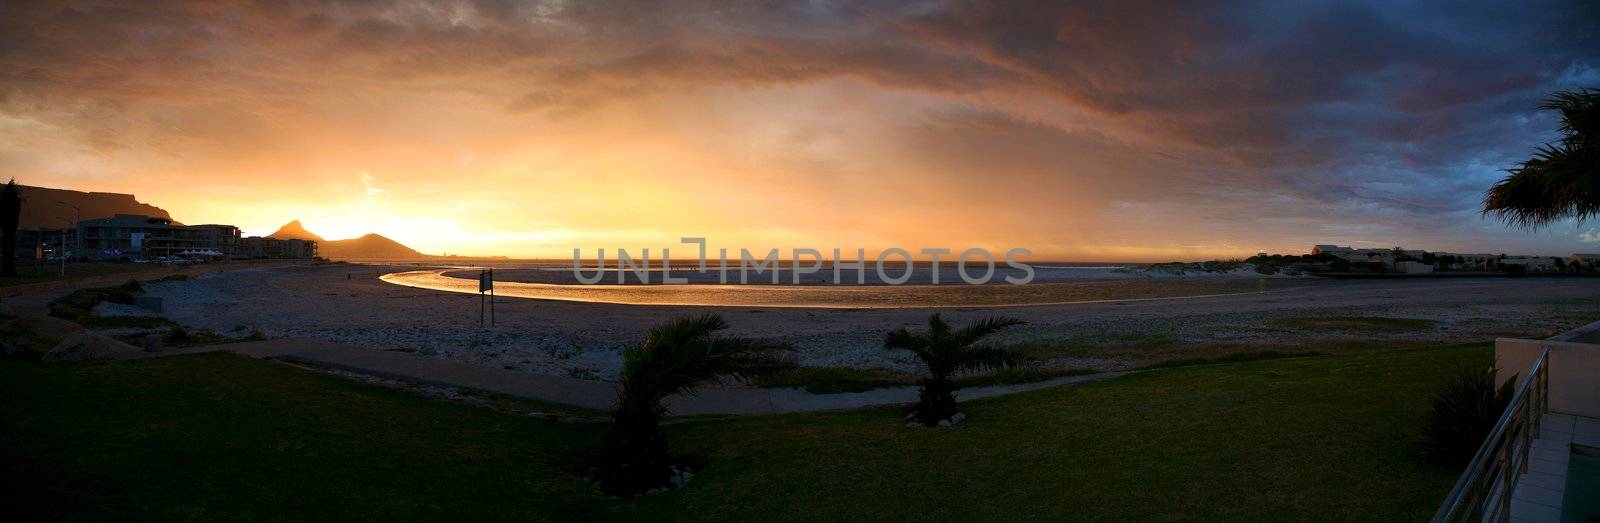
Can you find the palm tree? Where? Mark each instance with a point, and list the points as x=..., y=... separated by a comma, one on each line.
x=946, y=352
x=1561, y=180
x=675, y=358
x=10, y=212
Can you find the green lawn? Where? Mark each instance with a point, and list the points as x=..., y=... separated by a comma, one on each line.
x=1366, y=324
x=33, y=272
x=221, y=437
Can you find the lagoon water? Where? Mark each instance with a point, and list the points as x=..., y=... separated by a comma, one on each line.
x=1051, y=285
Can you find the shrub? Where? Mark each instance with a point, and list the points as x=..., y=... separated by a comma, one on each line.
x=675, y=358
x=177, y=335
x=1463, y=412
x=945, y=352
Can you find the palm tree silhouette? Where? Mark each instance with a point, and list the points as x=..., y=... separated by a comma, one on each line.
x=1562, y=180
x=946, y=352
x=675, y=358
x=10, y=213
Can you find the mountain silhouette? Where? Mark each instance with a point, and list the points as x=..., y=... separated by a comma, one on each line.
x=294, y=231
x=41, y=210
x=369, y=246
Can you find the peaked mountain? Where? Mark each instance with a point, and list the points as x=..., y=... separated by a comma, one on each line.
x=369, y=246
x=294, y=231
x=41, y=210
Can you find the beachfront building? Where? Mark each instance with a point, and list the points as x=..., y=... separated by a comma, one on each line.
x=131, y=235
x=1534, y=465
x=1353, y=255
x=46, y=243
x=274, y=248
x=1413, y=267
x=1530, y=263
x=1467, y=261
x=1334, y=250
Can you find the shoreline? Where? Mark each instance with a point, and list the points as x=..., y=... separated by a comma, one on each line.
x=350, y=304
x=950, y=296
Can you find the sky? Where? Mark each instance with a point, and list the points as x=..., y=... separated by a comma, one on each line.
x=1093, y=131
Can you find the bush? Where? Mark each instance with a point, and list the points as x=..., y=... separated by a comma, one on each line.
x=177, y=335
x=79, y=304
x=1463, y=412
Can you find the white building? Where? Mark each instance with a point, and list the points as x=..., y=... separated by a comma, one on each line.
x=1413, y=267
x=1531, y=263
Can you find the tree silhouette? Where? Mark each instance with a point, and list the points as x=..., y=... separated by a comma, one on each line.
x=1562, y=180
x=946, y=352
x=10, y=213
x=675, y=358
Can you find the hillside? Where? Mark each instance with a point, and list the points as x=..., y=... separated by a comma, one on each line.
x=369, y=246
x=294, y=231
x=41, y=210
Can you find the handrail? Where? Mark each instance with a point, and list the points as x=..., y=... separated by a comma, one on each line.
x=1484, y=491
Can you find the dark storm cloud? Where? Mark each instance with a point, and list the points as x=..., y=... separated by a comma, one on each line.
x=1397, y=109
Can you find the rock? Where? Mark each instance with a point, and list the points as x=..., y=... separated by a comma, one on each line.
x=84, y=346
x=944, y=423
x=958, y=418
x=913, y=424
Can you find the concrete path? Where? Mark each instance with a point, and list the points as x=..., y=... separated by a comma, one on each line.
x=588, y=394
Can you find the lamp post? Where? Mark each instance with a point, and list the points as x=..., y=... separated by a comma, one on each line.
x=62, y=252
x=77, y=215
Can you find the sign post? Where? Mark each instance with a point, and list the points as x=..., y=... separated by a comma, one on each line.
x=486, y=285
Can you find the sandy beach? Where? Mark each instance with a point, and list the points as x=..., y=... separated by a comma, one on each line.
x=348, y=303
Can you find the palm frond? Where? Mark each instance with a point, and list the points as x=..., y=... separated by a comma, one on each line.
x=1557, y=183
x=988, y=358
x=937, y=328
x=1561, y=180
x=984, y=327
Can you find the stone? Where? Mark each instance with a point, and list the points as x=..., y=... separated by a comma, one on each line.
x=944, y=423
x=84, y=346
x=958, y=418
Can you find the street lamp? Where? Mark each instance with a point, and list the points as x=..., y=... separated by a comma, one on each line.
x=77, y=214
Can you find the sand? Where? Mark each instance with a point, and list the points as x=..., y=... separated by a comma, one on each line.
x=349, y=304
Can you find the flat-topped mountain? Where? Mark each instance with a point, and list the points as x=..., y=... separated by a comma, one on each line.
x=40, y=207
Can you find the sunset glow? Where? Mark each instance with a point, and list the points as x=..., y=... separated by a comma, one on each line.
x=526, y=130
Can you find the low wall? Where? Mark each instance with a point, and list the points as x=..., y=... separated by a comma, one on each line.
x=1574, y=371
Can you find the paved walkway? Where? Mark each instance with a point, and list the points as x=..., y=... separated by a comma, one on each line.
x=589, y=394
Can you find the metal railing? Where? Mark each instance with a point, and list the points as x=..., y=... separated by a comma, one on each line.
x=1484, y=491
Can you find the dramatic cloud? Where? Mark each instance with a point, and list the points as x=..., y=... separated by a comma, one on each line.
x=1127, y=130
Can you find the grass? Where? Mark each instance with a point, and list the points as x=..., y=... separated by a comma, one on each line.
x=1368, y=324
x=175, y=336
x=114, y=322
x=79, y=304
x=1096, y=342
x=218, y=436
x=35, y=273
x=834, y=380
x=1237, y=357
x=837, y=380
